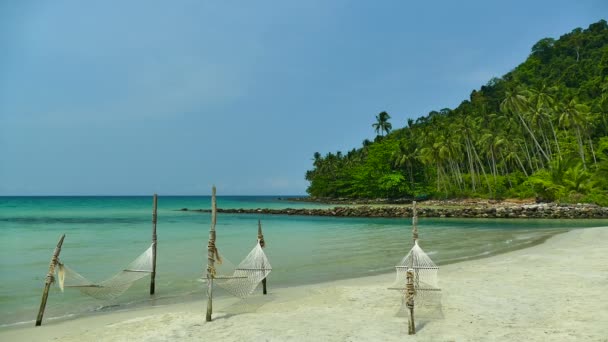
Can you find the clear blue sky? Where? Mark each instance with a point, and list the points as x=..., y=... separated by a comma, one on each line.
x=135, y=97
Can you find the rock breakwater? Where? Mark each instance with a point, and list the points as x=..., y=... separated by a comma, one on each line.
x=543, y=210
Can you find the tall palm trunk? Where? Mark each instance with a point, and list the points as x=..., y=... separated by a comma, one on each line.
x=482, y=169
x=533, y=137
x=581, y=149
x=505, y=170
x=528, y=157
x=592, y=151
x=471, y=166
x=559, y=152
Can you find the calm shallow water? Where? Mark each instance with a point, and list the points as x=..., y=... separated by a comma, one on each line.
x=103, y=234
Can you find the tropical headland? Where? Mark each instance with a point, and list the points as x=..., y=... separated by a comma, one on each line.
x=539, y=131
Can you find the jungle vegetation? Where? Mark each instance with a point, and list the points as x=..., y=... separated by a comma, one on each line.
x=539, y=131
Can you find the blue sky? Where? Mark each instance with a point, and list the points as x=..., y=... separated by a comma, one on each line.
x=136, y=97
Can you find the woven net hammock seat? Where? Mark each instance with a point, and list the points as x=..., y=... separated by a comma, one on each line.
x=111, y=287
x=425, y=280
x=245, y=277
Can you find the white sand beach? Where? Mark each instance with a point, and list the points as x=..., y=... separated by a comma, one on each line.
x=555, y=291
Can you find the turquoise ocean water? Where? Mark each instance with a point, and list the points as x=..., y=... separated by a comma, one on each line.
x=103, y=234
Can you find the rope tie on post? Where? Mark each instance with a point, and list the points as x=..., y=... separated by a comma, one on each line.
x=216, y=257
x=410, y=291
x=50, y=277
x=211, y=271
x=409, y=295
x=260, y=235
x=216, y=254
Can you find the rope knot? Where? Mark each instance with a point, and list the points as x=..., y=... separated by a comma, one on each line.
x=215, y=253
x=211, y=271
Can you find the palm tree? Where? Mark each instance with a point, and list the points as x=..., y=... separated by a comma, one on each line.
x=317, y=157
x=382, y=125
x=516, y=103
x=542, y=104
x=572, y=116
x=405, y=157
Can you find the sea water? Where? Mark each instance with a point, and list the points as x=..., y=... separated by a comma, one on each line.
x=104, y=234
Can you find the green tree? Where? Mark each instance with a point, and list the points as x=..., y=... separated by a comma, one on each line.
x=382, y=125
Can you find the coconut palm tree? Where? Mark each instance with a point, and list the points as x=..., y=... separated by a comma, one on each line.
x=572, y=116
x=382, y=125
x=516, y=103
x=542, y=114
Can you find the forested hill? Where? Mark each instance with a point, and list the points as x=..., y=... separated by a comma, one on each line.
x=540, y=130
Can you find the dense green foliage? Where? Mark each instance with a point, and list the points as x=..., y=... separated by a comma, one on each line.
x=540, y=130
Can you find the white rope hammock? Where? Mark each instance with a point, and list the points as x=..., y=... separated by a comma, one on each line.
x=425, y=279
x=111, y=287
x=254, y=268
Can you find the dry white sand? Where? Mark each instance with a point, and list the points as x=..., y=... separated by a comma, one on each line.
x=556, y=291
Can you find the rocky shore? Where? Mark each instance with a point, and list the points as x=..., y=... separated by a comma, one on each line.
x=542, y=210
x=348, y=201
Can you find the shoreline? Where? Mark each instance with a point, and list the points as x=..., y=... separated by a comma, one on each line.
x=172, y=300
x=519, y=294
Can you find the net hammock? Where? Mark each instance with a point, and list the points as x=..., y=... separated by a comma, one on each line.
x=426, y=289
x=245, y=277
x=111, y=287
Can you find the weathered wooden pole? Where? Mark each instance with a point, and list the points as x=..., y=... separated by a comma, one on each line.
x=211, y=253
x=414, y=222
x=262, y=244
x=50, y=278
x=415, y=238
x=410, y=289
x=154, y=242
x=409, y=297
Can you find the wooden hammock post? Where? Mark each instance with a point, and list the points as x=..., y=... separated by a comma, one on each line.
x=50, y=278
x=414, y=222
x=154, y=240
x=415, y=238
x=409, y=296
x=409, y=289
x=211, y=252
x=262, y=244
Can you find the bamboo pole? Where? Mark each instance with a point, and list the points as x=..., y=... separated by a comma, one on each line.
x=50, y=278
x=154, y=242
x=211, y=252
x=262, y=244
